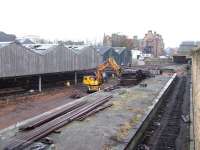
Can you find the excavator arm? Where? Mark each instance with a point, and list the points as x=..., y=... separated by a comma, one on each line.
x=94, y=83
x=110, y=63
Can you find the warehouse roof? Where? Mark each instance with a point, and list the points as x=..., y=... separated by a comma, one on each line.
x=46, y=48
x=78, y=48
x=40, y=48
x=119, y=50
x=45, y=51
x=25, y=41
x=40, y=59
x=2, y=44
x=103, y=49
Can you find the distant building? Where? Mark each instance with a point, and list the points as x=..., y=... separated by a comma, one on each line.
x=186, y=47
x=118, y=40
x=129, y=43
x=136, y=54
x=107, y=40
x=153, y=44
x=69, y=42
x=198, y=44
x=137, y=43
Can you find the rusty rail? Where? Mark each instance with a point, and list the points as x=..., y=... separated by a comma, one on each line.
x=24, y=139
x=51, y=116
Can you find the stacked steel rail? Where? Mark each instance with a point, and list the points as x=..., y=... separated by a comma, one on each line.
x=49, y=124
x=133, y=77
x=51, y=116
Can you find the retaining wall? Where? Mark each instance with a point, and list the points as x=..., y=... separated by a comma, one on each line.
x=147, y=119
x=196, y=95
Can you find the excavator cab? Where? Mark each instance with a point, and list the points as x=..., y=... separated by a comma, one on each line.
x=94, y=82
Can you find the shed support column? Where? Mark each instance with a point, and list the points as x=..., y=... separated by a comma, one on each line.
x=40, y=84
x=75, y=78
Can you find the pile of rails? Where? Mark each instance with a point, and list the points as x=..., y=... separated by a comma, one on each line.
x=133, y=77
x=153, y=69
x=55, y=120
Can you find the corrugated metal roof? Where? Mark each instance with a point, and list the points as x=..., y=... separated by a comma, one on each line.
x=42, y=52
x=2, y=44
x=103, y=49
x=25, y=41
x=77, y=48
x=28, y=60
x=41, y=48
x=46, y=48
x=119, y=50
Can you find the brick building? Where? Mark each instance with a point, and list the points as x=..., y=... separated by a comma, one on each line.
x=107, y=40
x=118, y=40
x=137, y=43
x=153, y=44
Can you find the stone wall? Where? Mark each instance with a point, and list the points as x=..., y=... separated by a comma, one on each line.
x=196, y=95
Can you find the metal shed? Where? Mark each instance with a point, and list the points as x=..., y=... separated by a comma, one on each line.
x=17, y=60
x=87, y=57
x=31, y=59
x=59, y=59
x=125, y=55
x=108, y=52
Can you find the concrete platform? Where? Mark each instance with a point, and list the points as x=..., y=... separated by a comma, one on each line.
x=112, y=128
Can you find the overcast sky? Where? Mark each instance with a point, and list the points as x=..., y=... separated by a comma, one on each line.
x=175, y=20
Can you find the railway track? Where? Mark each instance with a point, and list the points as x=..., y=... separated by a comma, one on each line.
x=4, y=93
x=166, y=127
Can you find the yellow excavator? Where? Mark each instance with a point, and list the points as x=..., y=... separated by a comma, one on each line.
x=94, y=82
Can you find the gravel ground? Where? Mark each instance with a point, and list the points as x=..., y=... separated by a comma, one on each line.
x=23, y=107
x=18, y=108
x=113, y=127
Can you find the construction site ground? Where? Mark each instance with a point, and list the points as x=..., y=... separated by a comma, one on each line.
x=113, y=127
x=19, y=107
x=108, y=129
